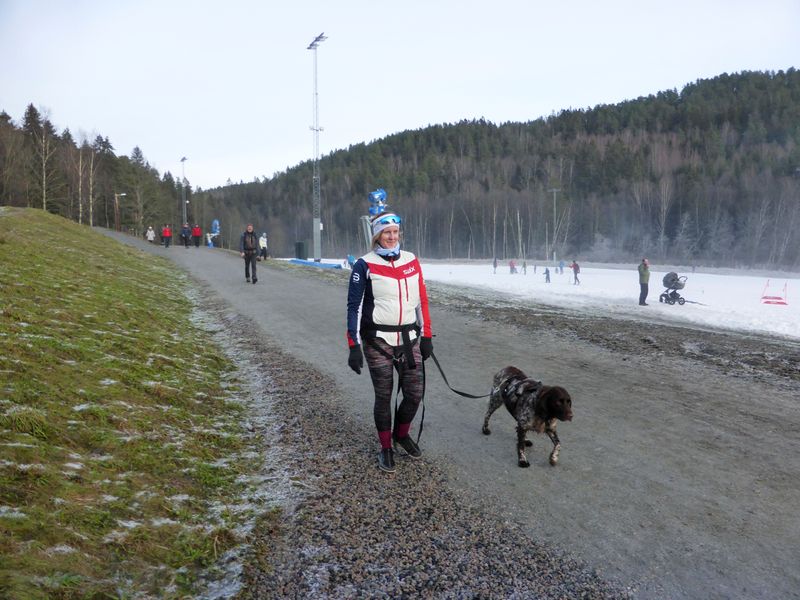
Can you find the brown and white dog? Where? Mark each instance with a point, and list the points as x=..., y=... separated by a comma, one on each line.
x=535, y=407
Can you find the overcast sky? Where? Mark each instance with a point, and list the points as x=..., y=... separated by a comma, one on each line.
x=229, y=84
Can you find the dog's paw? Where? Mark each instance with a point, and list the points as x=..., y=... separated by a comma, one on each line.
x=485, y=430
x=528, y=443
x=524, y=463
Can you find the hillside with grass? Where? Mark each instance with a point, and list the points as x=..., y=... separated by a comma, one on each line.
x=121, y=442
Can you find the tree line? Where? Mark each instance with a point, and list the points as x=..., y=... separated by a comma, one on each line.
x=82, y=179
x=708, y=174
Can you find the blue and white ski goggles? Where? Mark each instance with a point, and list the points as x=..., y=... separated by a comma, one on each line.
x=385, y=221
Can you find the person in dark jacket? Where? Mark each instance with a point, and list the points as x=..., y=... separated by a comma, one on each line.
x=248, y=248
x=388, y=292
x=186, y=234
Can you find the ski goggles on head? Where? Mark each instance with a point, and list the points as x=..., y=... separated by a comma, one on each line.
x=385, y=221
x=390, y=220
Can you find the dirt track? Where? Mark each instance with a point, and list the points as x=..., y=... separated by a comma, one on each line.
x=679, y=474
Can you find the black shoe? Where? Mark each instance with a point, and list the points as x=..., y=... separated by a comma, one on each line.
x=386, y=460
x=643, y=304
x=254, y=280
x=410, y=446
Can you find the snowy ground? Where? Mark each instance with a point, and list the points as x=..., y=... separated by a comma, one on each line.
x=712, y=300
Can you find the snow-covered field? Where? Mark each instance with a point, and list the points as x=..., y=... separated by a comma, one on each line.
x=728, y=301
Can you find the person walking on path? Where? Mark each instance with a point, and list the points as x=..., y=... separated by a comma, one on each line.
x=197, y=235
x=546, y=275
x=248, y=248
x=494, y=266
x=166, y=233
x=576, y=269
x=644, y=281
x=150, y=234
x=186, y=234
x=262, y=246
x=388, y=291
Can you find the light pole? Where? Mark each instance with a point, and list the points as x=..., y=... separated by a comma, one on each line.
x=116, y=210
x=316, y=200
x=555, y=191
x=183, y=189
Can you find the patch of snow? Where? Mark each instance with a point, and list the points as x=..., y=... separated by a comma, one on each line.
x=129, y=524
x=9, y=512
x=61, y=549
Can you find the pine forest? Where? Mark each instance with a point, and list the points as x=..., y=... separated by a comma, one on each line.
x=706, y=175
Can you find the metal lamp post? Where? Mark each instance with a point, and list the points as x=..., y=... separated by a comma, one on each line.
x=117, y=196
x=555, y=191
x=183, y=189
x=316, y=200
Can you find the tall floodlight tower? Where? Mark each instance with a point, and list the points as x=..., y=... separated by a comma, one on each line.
x=184, y=201
x=316, y=201
x=555, y=225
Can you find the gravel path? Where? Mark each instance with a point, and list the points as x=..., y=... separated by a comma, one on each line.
x=361, y=533
x=678, y=474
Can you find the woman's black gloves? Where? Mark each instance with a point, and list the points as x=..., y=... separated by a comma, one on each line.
x=356, y=360
x=426, y=347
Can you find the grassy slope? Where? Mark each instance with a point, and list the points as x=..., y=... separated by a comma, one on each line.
x=113, y=420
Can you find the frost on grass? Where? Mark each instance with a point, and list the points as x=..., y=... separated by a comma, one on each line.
x=10, y=512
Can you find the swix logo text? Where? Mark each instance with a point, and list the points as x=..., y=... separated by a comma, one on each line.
x=408, y=271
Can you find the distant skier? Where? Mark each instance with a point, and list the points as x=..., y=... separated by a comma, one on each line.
x=575, y=271
x=546, y=275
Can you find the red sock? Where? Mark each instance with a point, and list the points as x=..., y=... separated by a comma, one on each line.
x=386, y=439
x=403, y=429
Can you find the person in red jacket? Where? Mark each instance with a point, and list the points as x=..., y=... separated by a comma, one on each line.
x=388, y=292
x=166, y=233
x=197, y=235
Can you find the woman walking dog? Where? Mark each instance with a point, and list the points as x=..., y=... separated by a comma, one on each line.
x=386, y=285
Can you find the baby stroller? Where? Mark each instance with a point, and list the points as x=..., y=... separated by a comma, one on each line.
x=673, y=283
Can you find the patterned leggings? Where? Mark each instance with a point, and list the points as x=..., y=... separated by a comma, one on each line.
x=412, y=382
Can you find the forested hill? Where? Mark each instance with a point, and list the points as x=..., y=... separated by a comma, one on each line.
x=708, y=174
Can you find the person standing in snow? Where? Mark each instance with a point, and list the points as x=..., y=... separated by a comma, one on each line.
x=546, y=275
x=388, y=291
x=644, y=281
x=576, y=269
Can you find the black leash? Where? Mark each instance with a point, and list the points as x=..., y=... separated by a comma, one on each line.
x=464, y=394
